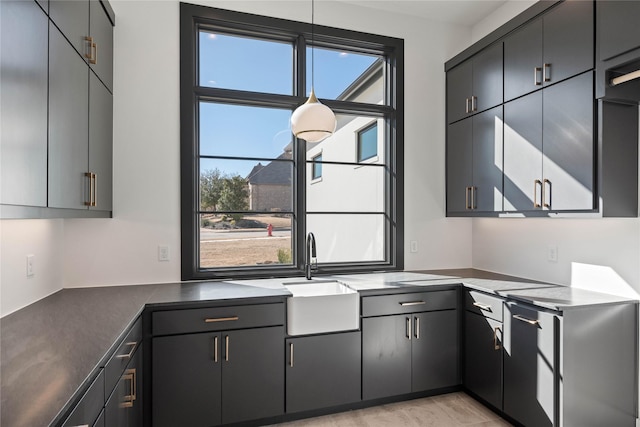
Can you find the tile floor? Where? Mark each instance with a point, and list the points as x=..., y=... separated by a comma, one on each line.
x=448, y=410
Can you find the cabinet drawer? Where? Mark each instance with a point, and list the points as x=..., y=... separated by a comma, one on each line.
x=483, y=304
x=217, y=318
x=88, y=408
x=118, y=362
x=409, y=303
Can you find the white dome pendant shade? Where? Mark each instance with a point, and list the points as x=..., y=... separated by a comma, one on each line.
x=313, y=121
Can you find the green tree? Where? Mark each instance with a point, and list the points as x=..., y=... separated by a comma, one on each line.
x=234, y=195
x=211, y=183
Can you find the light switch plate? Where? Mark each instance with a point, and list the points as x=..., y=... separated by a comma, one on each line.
x=413, y=246
x=552, y=253
x=30, y=267
x=163, y=253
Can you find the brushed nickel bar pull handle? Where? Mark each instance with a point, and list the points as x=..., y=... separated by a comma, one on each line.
x=408, y=331
x=474, y=205
x=226, y=348
x=466, y=105
x=547, y=77
x=545, y=193
x=133, y=345
x=474, y=103
x=496, y=343
x=417, y=327
x=221, y=319
x=466, y=198
x=94, y=53
x=535, y=193
x=481, y=306
x=410, y=303
x=129, y=398
x=524, y=319
x=625, y=78
x=90, y=176
x=215, y=349
x=134, y=392
x=291, y=354
x=89, y=41
x=537, y=70
x=95, y=189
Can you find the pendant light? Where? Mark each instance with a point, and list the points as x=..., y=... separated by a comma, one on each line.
x=313, y=121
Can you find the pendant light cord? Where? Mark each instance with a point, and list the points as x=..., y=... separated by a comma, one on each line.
x=312, y=47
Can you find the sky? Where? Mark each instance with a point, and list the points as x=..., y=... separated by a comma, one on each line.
x=232, y=62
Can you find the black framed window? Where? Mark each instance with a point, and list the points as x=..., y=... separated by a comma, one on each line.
x=316, y=169
x=247, y=199
x=368, y=142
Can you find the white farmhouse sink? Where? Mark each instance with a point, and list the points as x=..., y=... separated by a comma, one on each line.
x=321, y=306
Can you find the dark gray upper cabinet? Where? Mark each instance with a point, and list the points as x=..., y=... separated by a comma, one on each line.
x=23, y=77
x=72, y=18
x=101, y=31
x=474, y=163
x=475, y=85
x=552, y=48
x=530, y=371
x=549, y=149
x=323, y=371
x=100, y=144
x=617, y=26
x=68, y=125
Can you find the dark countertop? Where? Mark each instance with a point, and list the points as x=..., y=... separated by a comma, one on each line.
x=49, y=349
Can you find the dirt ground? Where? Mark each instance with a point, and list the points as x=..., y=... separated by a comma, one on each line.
x=241, y=252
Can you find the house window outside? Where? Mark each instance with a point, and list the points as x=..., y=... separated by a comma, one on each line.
x=246, y=199
x=316, y=170
x=368, y=142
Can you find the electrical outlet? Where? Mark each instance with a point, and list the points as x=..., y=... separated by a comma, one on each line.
x=30, y=262
x=163, y=253
x=552, y=253
x=413, y=246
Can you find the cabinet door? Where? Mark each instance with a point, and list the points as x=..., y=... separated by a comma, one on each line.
x=487, y=160
x=523, y=153
x=23, y=100
x=459, y=91
x=568, y=40
x=618, y=29
x=323, y=371
x=459, y=165
x=252, y=374
x=101, y=31
x=68, y=124
x=529, y=366
x=568, y=141
x=488, y=77
x=483, y=358
x=101, y=143
x=386, y=356
x=186, y=380
x=124, y=406
x=72, y=18
x=434, y=350
x=523, y=60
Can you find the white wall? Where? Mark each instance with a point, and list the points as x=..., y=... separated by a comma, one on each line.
x=596, y=254
x=19, y=238
x=123, y=250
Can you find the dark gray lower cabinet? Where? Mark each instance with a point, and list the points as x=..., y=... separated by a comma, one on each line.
x=323, y=371
x=483, y=358
x=124, y=406
x=530, y=371
x=409, y=353
x=207, y=379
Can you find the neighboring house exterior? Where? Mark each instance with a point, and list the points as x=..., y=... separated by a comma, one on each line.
x=270, y=186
